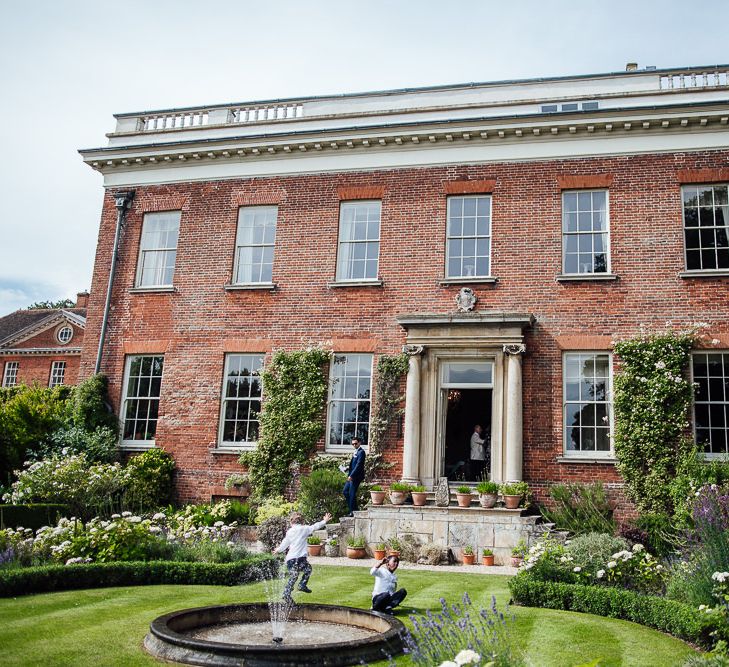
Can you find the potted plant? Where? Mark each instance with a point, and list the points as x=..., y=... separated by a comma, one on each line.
x=313, y=545
x=379, y=550
x=464, y=496
x=356, y=547
x=488, y=493
x=393, y=547
x=518, y=553
x=513, y=493
x=468, y=556
x=487, y=557
x=377, y=494
x=399, y=492
x=418, y=495
x=331, y=547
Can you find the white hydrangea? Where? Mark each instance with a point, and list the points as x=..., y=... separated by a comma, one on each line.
x=577, y=569
x=600, y=574
x=638, y=547
x=612, y=564
x=467, y=657
x=721, y=577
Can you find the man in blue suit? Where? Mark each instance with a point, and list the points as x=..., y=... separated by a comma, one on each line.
x=355, y=475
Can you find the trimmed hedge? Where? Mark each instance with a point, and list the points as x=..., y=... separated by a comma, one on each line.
x=49, y=578
x=675, y=618
x=31, y=516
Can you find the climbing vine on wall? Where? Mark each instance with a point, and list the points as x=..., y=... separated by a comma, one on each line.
x=652, y=397
x=295, y=391
x=390, y=369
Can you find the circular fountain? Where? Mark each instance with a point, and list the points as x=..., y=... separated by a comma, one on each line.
x=240, y=634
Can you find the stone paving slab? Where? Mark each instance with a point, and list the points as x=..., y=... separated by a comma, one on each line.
x=443, y=569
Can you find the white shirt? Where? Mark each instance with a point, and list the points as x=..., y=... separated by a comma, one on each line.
x=385, y=581
x=477, y=453
x=295, y=540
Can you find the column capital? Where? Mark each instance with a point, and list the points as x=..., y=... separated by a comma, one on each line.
x=514, y=349
x=413, y=350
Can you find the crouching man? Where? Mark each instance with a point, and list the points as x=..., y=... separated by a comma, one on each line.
x=385, y=596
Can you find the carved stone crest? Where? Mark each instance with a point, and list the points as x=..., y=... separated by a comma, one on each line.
x=466, y=300
x=442, y=493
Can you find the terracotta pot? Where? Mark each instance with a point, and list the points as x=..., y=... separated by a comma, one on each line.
x=378, y=554
x=469, y=559
x=313, y=549
x=353, y=552
x=512, y=502
x=487, y=560
x=393, y=552
x=377, y=497
x=516, y=561
x=419, y=498
x=398, y=497
x=488, y=499
x=464, y=499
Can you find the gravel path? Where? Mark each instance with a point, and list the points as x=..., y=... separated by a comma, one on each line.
x=370, y=562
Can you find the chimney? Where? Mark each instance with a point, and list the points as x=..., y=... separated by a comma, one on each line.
x=82, y=300
x=631, y=67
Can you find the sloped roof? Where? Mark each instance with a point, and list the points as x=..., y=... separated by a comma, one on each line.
x=13, y=325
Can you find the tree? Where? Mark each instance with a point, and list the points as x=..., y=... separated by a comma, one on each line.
x=42, y=305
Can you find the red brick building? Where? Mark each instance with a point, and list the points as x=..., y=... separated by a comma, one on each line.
x=43, y=345
x=504, y=233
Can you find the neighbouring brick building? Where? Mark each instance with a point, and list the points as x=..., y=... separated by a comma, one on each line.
x=505, y=233
x=43, y=345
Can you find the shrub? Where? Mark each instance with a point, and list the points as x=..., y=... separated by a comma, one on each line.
x=693, y=473
x=661, y=536
x=236, y=479
x=272, y=531
x=580, y=508
x=487, y=487
x=276, y=506
x=209, y=552
x=99, y=445
x=149, y=480
x=593, y=550
x=321, y=492
x=328, y=462
x=515, y=489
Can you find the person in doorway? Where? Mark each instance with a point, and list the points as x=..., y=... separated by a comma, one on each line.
x=295, y=542
x=355, y=475
x=478, y=453
x=385, y=596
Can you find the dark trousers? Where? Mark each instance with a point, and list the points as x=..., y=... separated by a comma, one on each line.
x=296, y=567
x=350, y=494
x=387, y=602
x=477, y=468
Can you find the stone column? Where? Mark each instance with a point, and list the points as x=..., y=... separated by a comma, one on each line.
x=514, y=412
x=411, y=442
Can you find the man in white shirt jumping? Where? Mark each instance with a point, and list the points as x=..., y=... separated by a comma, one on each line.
x=296, y=563
x=385, y=596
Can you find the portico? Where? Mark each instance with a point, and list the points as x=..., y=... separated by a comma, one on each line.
x=481, y=349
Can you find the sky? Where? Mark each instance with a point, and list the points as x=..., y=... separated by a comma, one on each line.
x=67, y=65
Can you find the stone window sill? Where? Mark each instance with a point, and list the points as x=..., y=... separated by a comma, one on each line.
x=356, y=283
x=578, y=277
x=152, y=290
x=233, y=450
x=586, y=459
x=251, y=286
x=133, y=447
x=713, y=273
x=469, y=281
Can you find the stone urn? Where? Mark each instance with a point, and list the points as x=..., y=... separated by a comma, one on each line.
x=398, y=497
x=512, y=502
x=332, y=549
x=377, y=497
x=488, y=500
x=419, y=498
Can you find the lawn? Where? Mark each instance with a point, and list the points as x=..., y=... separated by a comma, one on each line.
x=107, y=626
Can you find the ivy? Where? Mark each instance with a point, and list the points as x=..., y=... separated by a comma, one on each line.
x=295, y=388
x=390, y=369
x=652, y=398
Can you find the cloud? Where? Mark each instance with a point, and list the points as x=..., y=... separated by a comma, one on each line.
x=16, y=294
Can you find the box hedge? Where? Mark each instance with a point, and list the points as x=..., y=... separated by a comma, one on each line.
x=675, y=618
x=49, y=578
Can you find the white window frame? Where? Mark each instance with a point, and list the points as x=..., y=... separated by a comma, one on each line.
x=239, y=247
x=329, y=447
x=167, y=250
x=58, y=374
x=344, y=266
x=134, y=443
x=60, y=330
x=566, y=429
x=488, y=237
x=578, y=234
x=243, y=444
x=725, y=402
x=10, y=373
x=701, y=228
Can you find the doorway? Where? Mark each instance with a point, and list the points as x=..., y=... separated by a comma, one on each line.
x=464, y=409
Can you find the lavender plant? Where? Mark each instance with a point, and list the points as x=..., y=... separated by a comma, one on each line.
x=437, y=637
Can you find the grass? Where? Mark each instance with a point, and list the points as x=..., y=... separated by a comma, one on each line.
x=107, y=626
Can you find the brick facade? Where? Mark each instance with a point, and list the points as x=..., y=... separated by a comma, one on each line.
x=196, y=324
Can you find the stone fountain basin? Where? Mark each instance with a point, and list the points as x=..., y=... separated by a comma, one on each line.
x=169, y=637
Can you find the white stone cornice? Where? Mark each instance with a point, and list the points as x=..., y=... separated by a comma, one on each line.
x=35, y=351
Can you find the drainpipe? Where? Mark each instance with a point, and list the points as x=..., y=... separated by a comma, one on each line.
x=122, y=201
